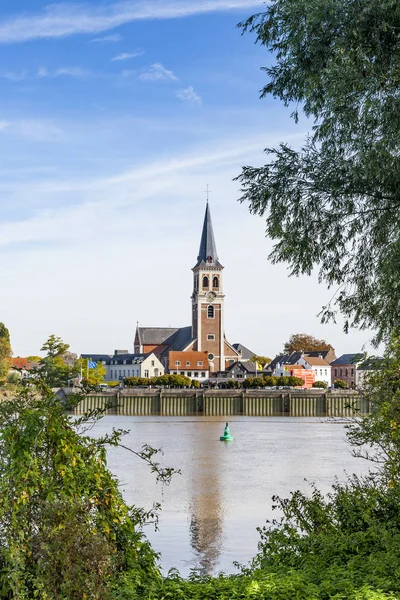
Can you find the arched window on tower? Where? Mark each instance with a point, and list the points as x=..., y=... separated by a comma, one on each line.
x=205, y=282
x=215, y=283
x=210, y=312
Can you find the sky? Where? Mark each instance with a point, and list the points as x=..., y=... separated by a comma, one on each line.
x=114, y=117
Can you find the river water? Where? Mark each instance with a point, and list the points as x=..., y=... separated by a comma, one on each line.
x=211, y=511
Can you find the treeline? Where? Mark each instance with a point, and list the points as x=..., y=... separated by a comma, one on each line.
x=175, y=381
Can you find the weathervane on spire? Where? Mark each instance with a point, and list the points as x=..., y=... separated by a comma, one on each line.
x=208, y=192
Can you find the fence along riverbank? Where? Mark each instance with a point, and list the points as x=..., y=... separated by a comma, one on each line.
x=224, y=403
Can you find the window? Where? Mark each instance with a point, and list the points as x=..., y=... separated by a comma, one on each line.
x=210, y=312
x=146, y=373
x=326, y=371
x=211, y=336
x=177, y=363
x=188, y=363
x=203, y=374
x=152, y=363
x=340, y=370
x=196, y=373
x=239, y=375
x=335, y=372
x=199, y=363
x=320, y=371
x=215, y=283
x=347, y=372
x=120, y=372
x=352, y=371
x=211, y=356
x=129, y=372
x=124, y=372
x=205, y=282
x=189, y=373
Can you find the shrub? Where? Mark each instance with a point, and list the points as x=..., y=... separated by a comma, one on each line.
x=340, y=384
x=320, y=384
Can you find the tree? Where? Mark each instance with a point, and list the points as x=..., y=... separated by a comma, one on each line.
x=92, y=376
x=334, y=204
x=303, y=342
x=5, y=353
x=66, y=531
x=260, y=360
x=320, y=384
x=53, y=366
x=340, y=384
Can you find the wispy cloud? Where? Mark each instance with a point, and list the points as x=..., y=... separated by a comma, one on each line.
x=108, y=39
x=157, y=72
x=64, y=19
x=36, y=130
x=189, y=95
x=14, y=76
x=127, y=55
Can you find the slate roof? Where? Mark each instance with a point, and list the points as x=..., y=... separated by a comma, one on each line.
x=245, y=352
x=208, y=250
x=248, y=366
x=131, y=359
x=348, y=359
x=179, y=341
x=371, y=364
x=155, y=336
x=97, y=357
x=280, y=359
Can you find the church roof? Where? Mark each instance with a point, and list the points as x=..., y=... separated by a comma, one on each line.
x=208, y=250
x=245, y=353
x=156, y=336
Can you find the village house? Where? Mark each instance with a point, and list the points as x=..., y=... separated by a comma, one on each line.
x=345, y=368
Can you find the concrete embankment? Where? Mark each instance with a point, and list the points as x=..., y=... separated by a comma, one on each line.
x=252, y=403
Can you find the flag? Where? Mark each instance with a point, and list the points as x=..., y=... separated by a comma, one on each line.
x=92, y=364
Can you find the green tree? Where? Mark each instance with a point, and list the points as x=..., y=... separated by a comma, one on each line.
x=340, y=384
x=93, y=376
x=66, y=531
x=334, y=204
x=303, y=342
x=53, y=367
x=5, y=353
x=320, y=384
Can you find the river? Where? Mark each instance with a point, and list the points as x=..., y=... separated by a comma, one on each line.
x=211, y=511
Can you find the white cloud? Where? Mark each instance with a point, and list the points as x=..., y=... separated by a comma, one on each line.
x=63, y=19
x=108, y=39
x=127, y=55
x=37, y=130
x=77, y=72
x=189, y=95
x=157, y=72
x=13, y=76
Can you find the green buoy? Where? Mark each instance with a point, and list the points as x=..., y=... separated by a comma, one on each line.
x=227, y=435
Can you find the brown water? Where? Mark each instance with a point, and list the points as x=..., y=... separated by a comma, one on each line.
x=211, y=511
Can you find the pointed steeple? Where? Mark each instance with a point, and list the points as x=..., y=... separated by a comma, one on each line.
x=208, y=250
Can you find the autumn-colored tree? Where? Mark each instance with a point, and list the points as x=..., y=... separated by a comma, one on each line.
x=303, y=342
x=5, y=353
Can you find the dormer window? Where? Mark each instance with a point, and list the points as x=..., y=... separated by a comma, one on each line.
x=205, y=282
x=209, y=259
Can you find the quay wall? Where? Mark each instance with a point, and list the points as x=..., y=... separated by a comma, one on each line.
x=227, y=403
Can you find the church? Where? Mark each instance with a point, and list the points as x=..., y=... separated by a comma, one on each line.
x=200, y=347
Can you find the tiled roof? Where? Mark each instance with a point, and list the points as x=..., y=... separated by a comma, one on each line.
x=21, y=363
x=315, y=361
x=348, y=359
x=190, y=357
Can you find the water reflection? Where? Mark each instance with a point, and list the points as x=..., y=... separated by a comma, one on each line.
x=206, y=505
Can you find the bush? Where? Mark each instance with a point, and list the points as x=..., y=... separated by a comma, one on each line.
x=195, y=383
x=340, y=384
x=320, y=384
x=270, y=381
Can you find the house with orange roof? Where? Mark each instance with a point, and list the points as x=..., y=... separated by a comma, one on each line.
x=192, y=363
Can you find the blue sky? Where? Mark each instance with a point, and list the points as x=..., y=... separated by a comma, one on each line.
x=114, y=116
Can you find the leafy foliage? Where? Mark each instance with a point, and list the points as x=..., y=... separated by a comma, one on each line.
x=334, y=204
x=53, y=368
x=5, y=353
x=91, y=377
x=65, y=529
x=320, y=384
x=162, y=380
x=340, y=384
x=303, y=342
x=260, y=360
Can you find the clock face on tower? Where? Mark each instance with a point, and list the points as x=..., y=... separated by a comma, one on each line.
x=211, y=296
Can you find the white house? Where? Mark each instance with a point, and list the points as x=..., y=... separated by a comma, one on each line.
x=122, y=364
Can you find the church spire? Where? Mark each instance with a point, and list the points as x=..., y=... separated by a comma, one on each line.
x=208, y=250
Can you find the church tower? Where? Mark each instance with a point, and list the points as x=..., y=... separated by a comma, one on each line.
x=208, y=299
